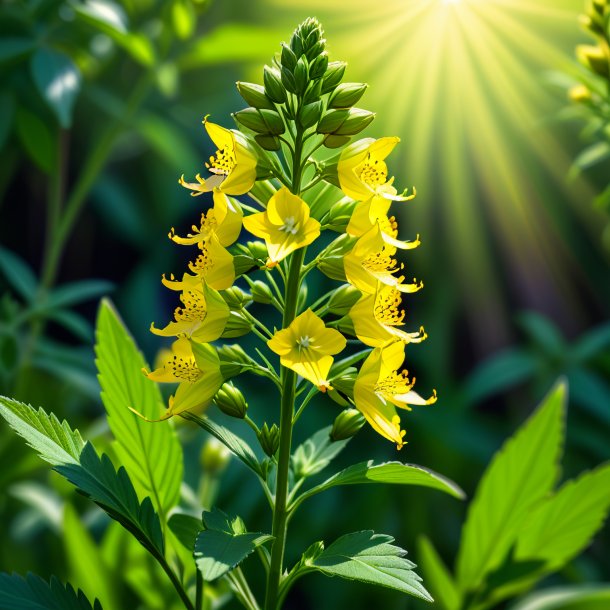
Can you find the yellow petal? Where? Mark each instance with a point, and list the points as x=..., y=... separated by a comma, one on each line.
x=222, y=137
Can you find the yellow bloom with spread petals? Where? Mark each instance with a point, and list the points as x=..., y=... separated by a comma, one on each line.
x=203, y=315
x=196, y=368
x=380, y=388
x=362, y=170
x=285, y=225
x=371, y=261
x=307, y=347
x=377, y=318
x=233, y=166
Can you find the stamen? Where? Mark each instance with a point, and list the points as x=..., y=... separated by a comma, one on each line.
x=387, y=308
x=184, y=369
x=304, y=341
x=290, y=225
x=374, y=172
x=222, y=162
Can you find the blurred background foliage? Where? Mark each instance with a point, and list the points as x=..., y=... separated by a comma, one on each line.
x=100, y=112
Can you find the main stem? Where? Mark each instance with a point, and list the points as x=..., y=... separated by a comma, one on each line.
x=288, y=383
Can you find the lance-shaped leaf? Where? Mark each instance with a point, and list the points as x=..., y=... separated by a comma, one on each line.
x=369, y=557
x=437, y=577
x=316, y=453
x=150, y=452
x=34, y=593
x=520, y=475
x=224, y=544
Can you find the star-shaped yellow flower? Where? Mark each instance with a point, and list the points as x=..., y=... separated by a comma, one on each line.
x=285, y=225
x=307, y=347
x=362, y=170
x=233, y=167
x=204, y=313
x=380, y=388
x=377, y=317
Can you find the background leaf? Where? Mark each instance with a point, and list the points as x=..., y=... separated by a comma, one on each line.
x=437, y=577
x=594, y=597
x=18, y=274
x=316, y=453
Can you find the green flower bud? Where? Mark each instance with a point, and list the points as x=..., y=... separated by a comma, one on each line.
x=242, y=264
x=236, y=326
x=235, y=297
x=332, y=141
x=593, y=58
x=254, y=95
x=288, y=80
x=347, y=424
x=310, y=114
x=315, y=51
x=267, y=142
x=261, y=293
x=339, y=215
x=347, y=95
x=214, y=456
x=332, y=267
x=313, y=92
x=273, y=85
x=345, y=382
x=288, y=58
x=269, y=439
x=356, y=121
x=232, y=360
x=258, y=250
x=301, y=75
x=343, y=299
x=346, y=326
x=296, y=45
x=318, y=66
x=262, y=121
x=332, y=120
x=231, y=401
x=333, y=76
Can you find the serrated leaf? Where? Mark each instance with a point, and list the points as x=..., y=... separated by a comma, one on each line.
x=561, y=526
x=58, y=80
x=55, y=442
x=520, y=475
x=437, y=577
x=34, y=593
x=18, y=274
x=371, y=558
x=316, y=453
x=219, y=548
x=112, y=490
x=583, y=597
x=150, y=452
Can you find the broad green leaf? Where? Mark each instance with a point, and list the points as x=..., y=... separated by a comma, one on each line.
x=561, y=526
x=371, y=558
x=437, y=577
x=234, y=443
x=55, y=442
x=74, y=293
x=112, y=490
x=185, y=528
x=583, y=597
x=34, y=593
x=224, y=544
x=15, y=47
x=316, y=453
x=150, y=452
x=58, y=80
x=18, y=274
x=394, y=473
x=88, y=570
x=520, y=475
x=36, y=138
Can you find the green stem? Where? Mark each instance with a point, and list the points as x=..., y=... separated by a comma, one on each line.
x=199, y=591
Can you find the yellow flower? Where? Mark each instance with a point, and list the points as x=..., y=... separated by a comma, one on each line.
x=219, y=228
x=375, y=210
x=380, y=388
x=307, y=347
x=233, y=167
x=371, y=261
x=363, y=172
x=204, y=313
x=196, y=368
x=376, y=318
x=285, y=225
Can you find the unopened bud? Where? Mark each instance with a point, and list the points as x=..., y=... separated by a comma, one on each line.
x=331, y=121
x=258, y=250
x=233, y=360
x=347, y=95
x=273, y=85
x=333, y=76
x=346, y=326
x=214, y=456
x=340, y=214
x=332, y=267
x=318, y=67
x=580, y=94
x=231, y=401
x=262, y=121
x=288, y=80
x=357, y=120
x=313, y=92
x=288, y=58
x=242, y=264
x=593, y=58
x=310, y=114
x=254, y=95
x=235, y=297
x=261, y=293
x=269, y=439
x=345, y=382
x=268, y=142
x=236, y=326
x=343, y=299
x=347, y=424
x=332, y=141
x=301, y=75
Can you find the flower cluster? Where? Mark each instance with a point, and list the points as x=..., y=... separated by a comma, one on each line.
x=303, y=106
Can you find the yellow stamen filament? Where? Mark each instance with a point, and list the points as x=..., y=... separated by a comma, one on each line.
x=395, y=383
x=374, y=172
x=387, y=308
x=184, y=369
x=222, y=162
x=194, y=307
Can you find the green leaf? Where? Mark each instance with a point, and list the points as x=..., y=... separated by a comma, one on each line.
x=519, y=476
x=55, y=442
x=236, y=445
x=112, y=490
x=151, y=452
x=543, y=332
x=184, y=18
x=15, y=47
x=224, y=544
x=561, y=526
x=74, y=293
x=369, y=557
x=591, y=343
x=583, y=597
x=34, y=593
x=592, y=155
x=394, y=473
x=58, y=80
x=7, y=113
x=73, y=322
x=437, y=577
x=18, y=274
x=36, y=138
x=185, y=528
x=316, y=453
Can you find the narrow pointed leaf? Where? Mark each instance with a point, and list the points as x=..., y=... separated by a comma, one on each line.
x=18, y=274
x=437, y=577
x=589, y=597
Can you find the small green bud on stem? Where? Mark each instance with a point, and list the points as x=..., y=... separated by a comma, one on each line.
x=231, y=401
x=347, y=424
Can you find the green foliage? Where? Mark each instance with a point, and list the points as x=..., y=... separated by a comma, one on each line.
x=33, y=593
x=592, y=597
x=316, y=453
x=437, y=576
x=224, y=544
x=152, y=454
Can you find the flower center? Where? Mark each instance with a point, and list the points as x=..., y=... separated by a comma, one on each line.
x=395, y=383
x=373, y=172
x=304, y=341
x=185, y=369
x=290, y=225
x=389, y=226
x=203, y=263
x=222, y=162
x=387, y=308
x=194, y=307
x=382, y=261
